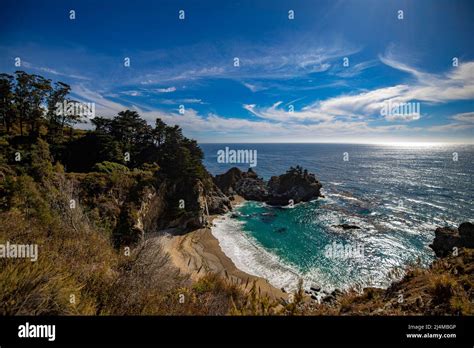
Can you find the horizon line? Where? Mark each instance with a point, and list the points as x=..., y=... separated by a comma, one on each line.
x=407, y=143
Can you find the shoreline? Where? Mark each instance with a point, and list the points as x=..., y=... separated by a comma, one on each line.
x=198, y=252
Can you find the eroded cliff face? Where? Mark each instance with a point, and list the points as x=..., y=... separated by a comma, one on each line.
x=129, y=206
x=191, y=204
x=217, y=201
x=152, y=206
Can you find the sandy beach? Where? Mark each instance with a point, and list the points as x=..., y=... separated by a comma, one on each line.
x=198, y=252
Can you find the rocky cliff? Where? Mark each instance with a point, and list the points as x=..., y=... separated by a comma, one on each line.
x=448, y=240
x=131, y=204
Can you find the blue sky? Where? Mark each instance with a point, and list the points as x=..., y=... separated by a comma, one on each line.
x=291, y=84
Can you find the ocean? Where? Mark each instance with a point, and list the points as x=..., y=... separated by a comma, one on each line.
x=397, y=195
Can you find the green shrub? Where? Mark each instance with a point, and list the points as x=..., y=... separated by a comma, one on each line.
x=110, y=167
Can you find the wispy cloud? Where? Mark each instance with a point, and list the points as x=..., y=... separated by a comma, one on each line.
x=166, y=90
x=104, y=106
x=254, y=87
x=462, y=121
x=181, y=101
x=345, y=115
x=211, y=126
x=355, y=69
x=255, y=62
x=132, y=93
x=457, y=84
x=45, y=69
x=467, y=117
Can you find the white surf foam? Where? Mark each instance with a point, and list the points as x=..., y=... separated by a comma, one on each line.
x=349, y=198
x=250, y=257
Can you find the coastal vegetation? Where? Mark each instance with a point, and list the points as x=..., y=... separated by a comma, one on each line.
x=90, y=198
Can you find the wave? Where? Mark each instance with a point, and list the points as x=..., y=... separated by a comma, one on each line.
x=349, y=198
x=249, y=256
x=426, y=203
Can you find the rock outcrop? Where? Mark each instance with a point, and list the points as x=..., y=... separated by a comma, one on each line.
x=246, y=184
x=347, y=227
x=227, y=181
x=252, y=188
x=447, y=238
x=296, y=185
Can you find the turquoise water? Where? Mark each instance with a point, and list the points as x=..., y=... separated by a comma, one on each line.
x=396, y=195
